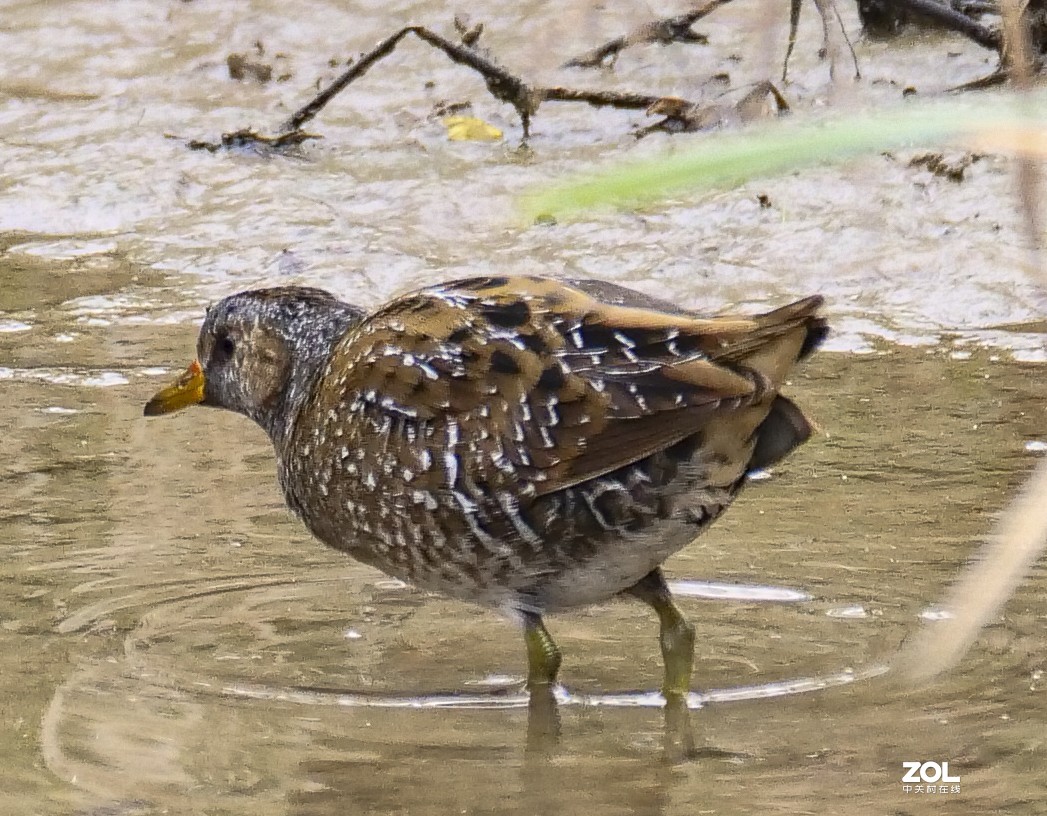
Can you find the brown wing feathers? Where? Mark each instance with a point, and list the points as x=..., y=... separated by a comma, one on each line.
x=565, y=386
x=667, y=374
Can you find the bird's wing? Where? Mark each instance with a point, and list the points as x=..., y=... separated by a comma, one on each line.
x=541, y=384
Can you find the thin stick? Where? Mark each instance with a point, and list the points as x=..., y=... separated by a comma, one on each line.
x=611, y=99
x=794, y=27
x=825, y=7
x=666, y=30
x=846, y=39
x=503, y=85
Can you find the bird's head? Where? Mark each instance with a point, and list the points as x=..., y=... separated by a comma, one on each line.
x=257, y=353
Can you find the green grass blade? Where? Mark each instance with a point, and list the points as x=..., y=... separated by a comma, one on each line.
x=723, y=159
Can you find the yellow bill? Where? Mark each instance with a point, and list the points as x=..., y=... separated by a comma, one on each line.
x=187, y=390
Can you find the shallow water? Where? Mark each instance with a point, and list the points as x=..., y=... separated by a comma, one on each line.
x=172, y=642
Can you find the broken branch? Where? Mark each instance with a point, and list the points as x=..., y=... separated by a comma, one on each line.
x=664, y=31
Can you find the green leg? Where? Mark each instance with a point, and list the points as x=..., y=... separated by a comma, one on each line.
x=543, y=721
x=543, y=661
x=543, y=656
x=678, y=740
x=676, y=635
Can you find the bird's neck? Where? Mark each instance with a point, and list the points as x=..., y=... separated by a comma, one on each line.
x=312, y=351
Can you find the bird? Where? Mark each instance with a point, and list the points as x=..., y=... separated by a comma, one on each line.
x=524, y=443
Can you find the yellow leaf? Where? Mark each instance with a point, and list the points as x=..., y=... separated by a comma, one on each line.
x=470, y=129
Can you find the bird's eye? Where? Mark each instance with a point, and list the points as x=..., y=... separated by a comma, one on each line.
x=227, y=346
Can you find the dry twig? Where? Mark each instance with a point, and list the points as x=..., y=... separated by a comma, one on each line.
x=826, y=9
x=502, y=84
x=664, y=31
